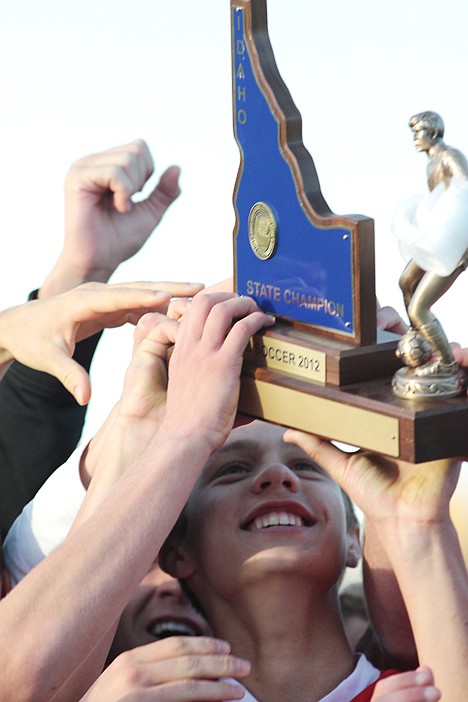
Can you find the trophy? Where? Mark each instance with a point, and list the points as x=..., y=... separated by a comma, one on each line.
x=322, y=368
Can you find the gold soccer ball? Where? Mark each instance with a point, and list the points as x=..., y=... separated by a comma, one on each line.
x=413, y=349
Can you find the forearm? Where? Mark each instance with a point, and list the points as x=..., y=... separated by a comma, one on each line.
x=430, y=569
x=87, y=673
x=387, y=610
x=109, y=554
x=118, y=444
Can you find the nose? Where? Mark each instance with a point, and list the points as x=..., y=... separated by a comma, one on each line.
x=169, y=588
x=276, y=476
x=163, y=585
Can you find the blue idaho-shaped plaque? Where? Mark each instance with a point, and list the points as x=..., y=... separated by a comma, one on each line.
x=292, y=254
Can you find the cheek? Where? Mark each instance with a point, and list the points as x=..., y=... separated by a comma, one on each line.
x=327, y=498
x=209, y=541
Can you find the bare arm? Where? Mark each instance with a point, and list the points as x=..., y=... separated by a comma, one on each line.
x=104, y=560
x=409, y=509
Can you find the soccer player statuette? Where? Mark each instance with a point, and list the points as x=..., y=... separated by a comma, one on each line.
x=433, y=231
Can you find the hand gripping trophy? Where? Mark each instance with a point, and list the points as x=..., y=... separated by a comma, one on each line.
x=433, y=231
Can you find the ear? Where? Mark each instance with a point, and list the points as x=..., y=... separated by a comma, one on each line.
x=174, y=559
x=354, y=548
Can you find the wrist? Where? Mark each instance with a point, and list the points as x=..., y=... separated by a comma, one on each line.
x=411, y=541
x=64, y=277
x=194, y=446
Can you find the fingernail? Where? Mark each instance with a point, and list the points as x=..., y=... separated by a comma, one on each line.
x=431, y=694
x=236, y=692
x=79, y=395
x=222, y=646
x=422, y=677
x=242, y=666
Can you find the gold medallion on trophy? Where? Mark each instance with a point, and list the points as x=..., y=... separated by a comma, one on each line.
x=263, y=231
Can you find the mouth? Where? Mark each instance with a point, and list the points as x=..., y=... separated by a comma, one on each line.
x=163, y=629
x=267, y=518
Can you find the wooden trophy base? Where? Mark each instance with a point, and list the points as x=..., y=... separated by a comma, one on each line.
x=344, y=393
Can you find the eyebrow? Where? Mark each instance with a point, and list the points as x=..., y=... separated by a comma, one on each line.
x=237, y=445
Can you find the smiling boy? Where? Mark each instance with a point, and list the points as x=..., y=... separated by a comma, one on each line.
x=263, y=542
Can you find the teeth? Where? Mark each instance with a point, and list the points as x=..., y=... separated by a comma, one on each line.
x=277, y=519
x=163, y=630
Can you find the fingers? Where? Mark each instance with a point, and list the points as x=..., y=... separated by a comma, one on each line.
x=222, y=317
x=185, y=668
x=175, y=646
x=176, y=289
x=166, y=191
x=178, y=307
x=214, y=314
x=95, y=306
x=72, y=376
x=193, y=325
x=322, y=452
x=461, y=356
x=246, y=327
x=91, y=298
x=223, y=286
x=413, y=686
x=123, y=170
x=179, y=669
x=388, y=319
x=144, y=326
x=155, y=332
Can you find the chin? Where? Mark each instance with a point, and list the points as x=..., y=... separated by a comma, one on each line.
x=279, y=560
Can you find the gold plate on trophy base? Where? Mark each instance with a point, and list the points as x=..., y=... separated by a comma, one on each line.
x=365, y=414
x=288, y=348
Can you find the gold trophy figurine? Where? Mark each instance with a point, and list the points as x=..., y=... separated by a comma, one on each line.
x=433, y=231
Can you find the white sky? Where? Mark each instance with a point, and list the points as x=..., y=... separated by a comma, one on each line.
x=82, y=77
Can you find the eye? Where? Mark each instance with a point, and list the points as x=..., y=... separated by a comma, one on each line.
x=306, y=466
x=233, y=469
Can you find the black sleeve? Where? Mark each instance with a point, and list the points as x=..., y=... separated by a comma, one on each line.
x=40, y=425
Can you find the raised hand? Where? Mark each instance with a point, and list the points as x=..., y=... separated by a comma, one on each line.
x=204, y=371
x=384, y=488
x=103, y=226
x=42, y=333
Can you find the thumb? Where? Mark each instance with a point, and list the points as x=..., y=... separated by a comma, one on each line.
x=72, y=376
x=165, y=192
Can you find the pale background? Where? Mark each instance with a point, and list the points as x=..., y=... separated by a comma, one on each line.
x=80, y=77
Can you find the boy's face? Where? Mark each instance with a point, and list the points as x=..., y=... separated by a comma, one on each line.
x=157, y=609
x=263, y=507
